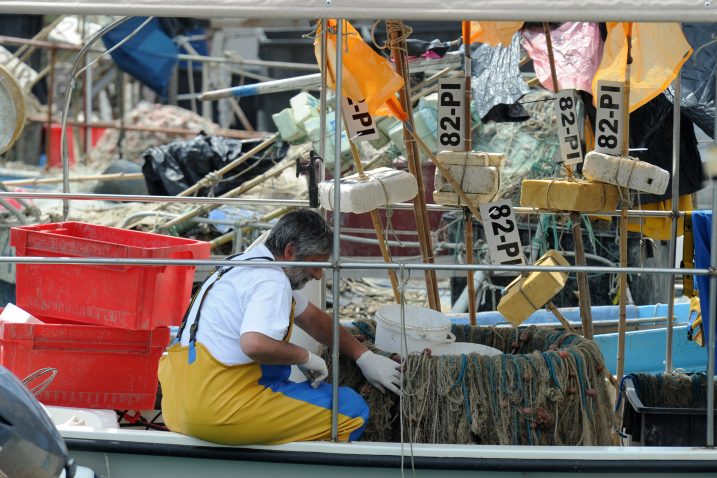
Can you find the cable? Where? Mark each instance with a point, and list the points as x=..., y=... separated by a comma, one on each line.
x=68, y=99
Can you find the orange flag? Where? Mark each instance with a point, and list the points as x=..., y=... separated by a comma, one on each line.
x=658, y=52
x=494, y=33
x=366, y=74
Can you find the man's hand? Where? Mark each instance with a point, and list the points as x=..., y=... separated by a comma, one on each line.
x=315, y=369
x=381, y=372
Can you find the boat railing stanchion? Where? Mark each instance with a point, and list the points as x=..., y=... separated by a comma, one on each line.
x=322, y=139
x=677, y=107
x=336, y=282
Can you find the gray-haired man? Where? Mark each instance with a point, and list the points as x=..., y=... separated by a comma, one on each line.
x=226, y=380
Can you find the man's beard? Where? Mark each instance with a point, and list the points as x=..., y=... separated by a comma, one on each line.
x=298, y=277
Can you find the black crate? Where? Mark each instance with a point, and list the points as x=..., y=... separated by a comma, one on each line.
x=662, y=426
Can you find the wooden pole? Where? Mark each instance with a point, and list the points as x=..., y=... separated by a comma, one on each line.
x=624, y=194
x=376, y=220
x=583, y=287
x=582, y=278
x=468, y=143
x=92, y=177
x=561, y=318
x=553, y=74
x=398, y=50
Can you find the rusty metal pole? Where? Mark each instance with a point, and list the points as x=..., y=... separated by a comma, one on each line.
x=50, y=99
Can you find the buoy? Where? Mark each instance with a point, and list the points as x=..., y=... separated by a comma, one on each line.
x=626, y=172
x=568, y=195
x=379, y=187
x=478, y=174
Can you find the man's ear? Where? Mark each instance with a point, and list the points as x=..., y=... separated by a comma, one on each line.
x=290, y=252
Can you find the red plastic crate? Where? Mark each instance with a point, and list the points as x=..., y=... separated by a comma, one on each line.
x=123, y=296
x=97, y=367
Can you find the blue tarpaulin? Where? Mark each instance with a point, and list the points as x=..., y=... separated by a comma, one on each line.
x=702, y=230
x=150, y=56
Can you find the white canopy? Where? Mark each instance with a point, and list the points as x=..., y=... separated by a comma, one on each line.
x=528, y=10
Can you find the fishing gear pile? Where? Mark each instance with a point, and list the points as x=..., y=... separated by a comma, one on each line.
x=549, y=387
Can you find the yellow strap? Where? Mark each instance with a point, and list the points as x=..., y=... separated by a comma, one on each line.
x=688, y=256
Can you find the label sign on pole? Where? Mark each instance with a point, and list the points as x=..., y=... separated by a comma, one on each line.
x=451, y=114
x=501, y=233
x=570, y=149
x=359, y=122
x=608, y=123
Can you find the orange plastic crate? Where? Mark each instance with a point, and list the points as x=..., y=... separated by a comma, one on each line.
x=123, y=296
x=97, y=367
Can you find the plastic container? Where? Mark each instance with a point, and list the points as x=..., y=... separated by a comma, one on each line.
x=54, y=159
x=382, y=186
x=124, y=296
x=662, y=426
x=425, y=328
x=97, y=367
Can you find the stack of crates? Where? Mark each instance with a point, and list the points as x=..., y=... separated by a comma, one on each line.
x=105, y=326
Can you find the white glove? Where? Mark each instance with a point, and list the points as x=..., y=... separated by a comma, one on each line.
x=381, y=372
x=315, y=369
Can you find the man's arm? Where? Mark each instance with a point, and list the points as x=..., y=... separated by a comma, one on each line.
x=319, y=325
x=382, y=372
x=263, y=349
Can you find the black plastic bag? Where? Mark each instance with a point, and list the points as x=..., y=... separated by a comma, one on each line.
x=171, y=168
x=698, y=76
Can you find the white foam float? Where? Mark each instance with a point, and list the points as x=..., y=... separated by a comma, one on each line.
x=379, y=187
x=478, y=174
x=625, y=171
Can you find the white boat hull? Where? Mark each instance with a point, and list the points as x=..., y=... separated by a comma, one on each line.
x=132, y=453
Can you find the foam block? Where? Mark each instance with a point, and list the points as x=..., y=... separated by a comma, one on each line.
x=304, y=106
x=477, y=172
x=625, y=172
x=289, y=130
x=382, y=186
x=526, y=294
x=567, y=195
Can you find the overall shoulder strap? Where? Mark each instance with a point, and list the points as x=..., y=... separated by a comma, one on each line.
x=201, y=294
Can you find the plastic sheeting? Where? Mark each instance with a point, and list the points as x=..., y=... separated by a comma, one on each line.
x=577, y=49
x=494, y=33
x=150, y=56
x=171, y=168
x=658, y=50
x=698, y=76
x=496, y=76
x=702, y=228
x=366, y=75
x=516, y=10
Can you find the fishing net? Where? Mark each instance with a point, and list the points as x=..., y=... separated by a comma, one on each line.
x=672, y=390
x=548, y=388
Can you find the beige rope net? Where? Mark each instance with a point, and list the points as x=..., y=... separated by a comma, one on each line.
x=548, y=388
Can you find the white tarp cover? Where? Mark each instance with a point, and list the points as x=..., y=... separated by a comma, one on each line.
x=529, y=10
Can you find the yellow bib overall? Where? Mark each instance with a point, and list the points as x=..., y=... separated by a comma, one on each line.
x=249, y=403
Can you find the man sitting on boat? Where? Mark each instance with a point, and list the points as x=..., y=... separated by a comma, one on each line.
x=227, y=378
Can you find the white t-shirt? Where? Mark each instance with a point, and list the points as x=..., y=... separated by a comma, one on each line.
x=245, y=299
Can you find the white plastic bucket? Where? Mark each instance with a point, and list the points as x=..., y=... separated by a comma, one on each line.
x=424, y=328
